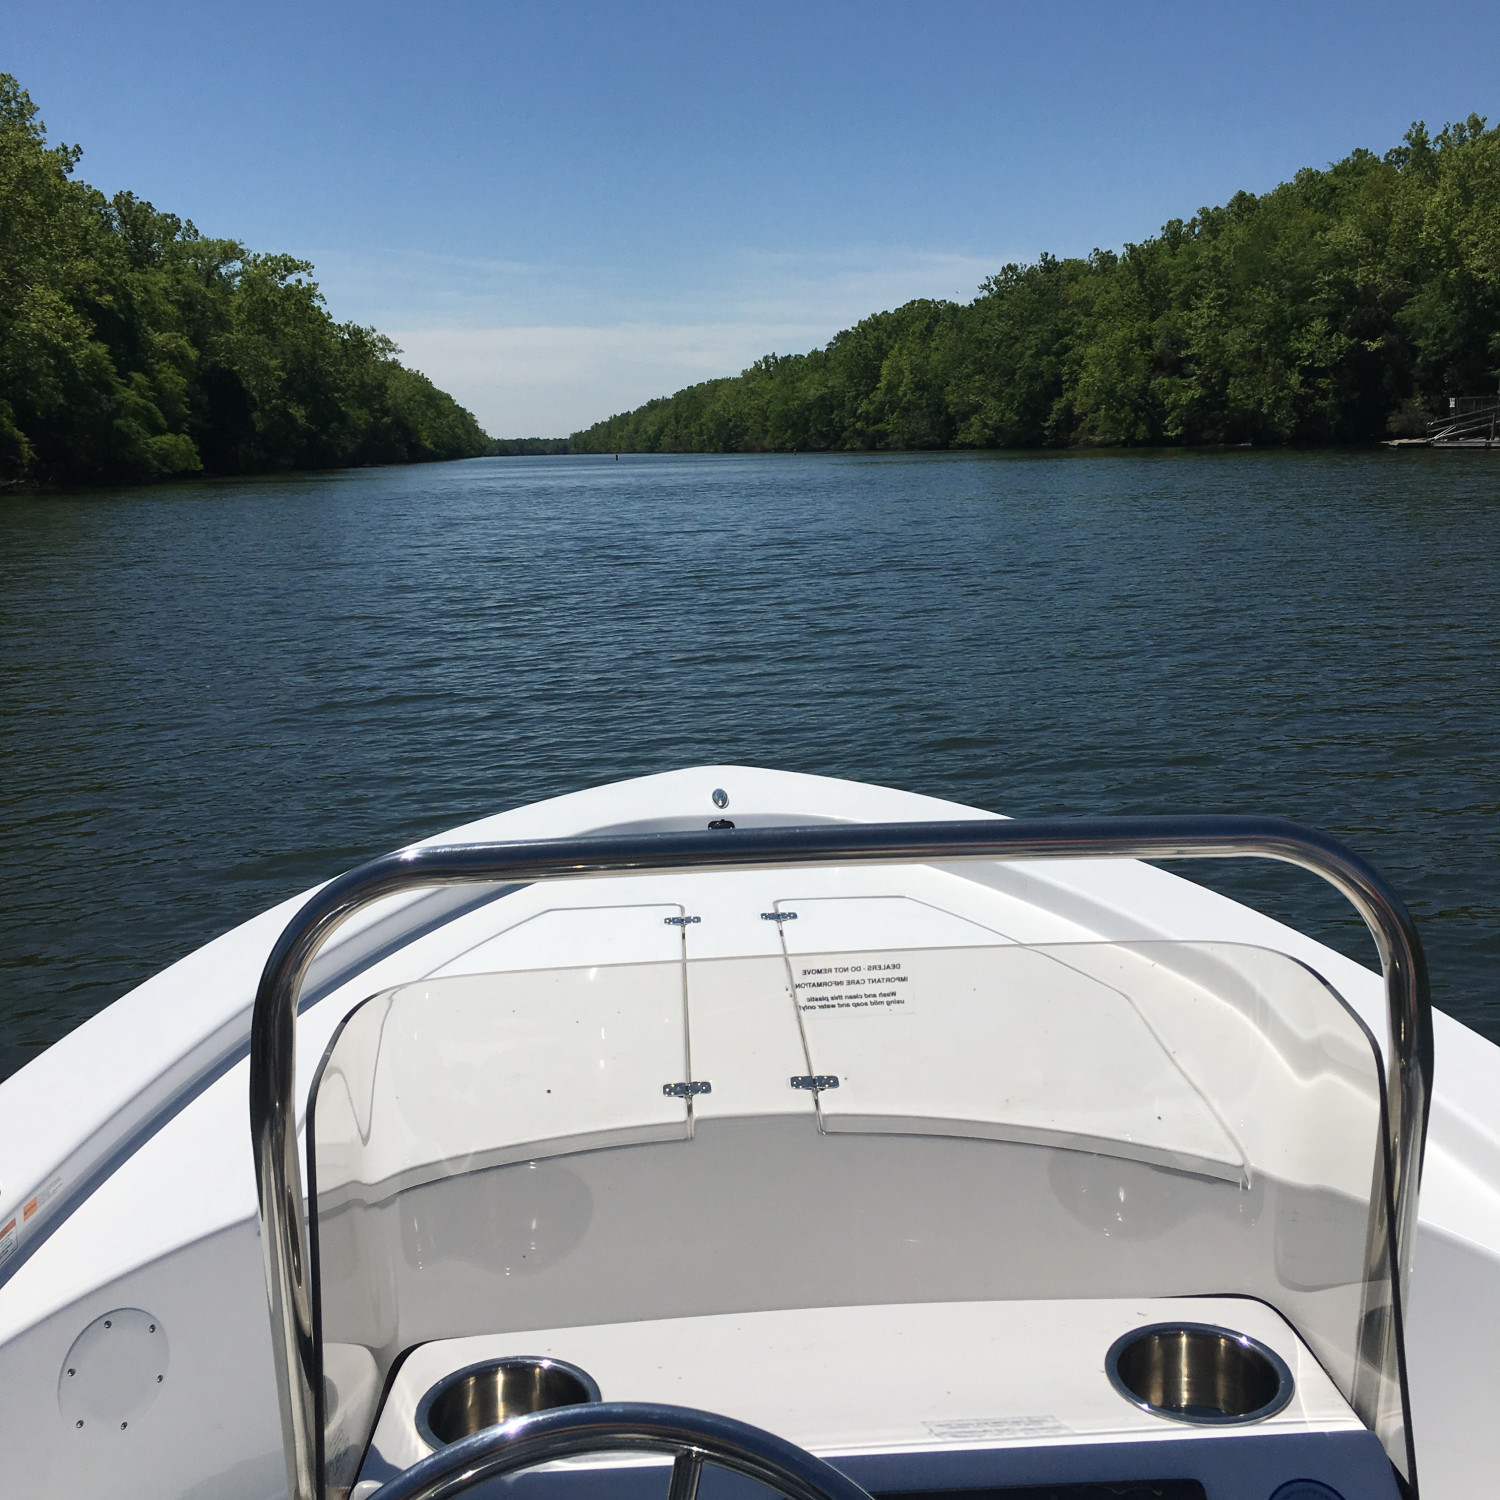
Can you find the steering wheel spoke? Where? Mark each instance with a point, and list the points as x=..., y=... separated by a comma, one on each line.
x=692, y=1438
x=687, y=1470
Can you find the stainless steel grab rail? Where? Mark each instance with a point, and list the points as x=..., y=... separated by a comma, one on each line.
x=273, y=1037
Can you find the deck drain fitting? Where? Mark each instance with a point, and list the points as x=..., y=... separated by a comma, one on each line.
x=1200, y=1373
x=495, y=1391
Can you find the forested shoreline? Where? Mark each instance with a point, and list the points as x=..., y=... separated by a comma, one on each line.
x=132, y=347
x=1338, y=307
x=528, y=447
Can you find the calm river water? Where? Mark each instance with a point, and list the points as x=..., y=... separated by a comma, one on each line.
x=212, y=695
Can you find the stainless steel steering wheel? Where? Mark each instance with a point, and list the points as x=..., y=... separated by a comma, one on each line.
x=692, y=1437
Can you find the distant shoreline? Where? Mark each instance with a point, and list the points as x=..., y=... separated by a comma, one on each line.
x=13, y=492
x=559, y=448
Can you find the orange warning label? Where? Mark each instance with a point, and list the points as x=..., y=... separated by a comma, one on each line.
x=30, y=1209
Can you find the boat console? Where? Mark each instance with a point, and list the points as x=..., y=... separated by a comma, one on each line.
x=1212, y=1392
x=771, y=1158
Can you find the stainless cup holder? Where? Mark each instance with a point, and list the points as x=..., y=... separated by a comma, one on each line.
x=484, y=1395
x=1196, y=1372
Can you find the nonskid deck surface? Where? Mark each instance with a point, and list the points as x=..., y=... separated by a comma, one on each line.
x=169, y=1224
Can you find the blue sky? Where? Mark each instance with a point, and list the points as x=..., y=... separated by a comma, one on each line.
x=561, y=209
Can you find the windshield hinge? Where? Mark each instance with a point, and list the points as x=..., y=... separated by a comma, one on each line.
x=680, y=921
x=815, y=1081
x=778, y=916
x=686, y=1090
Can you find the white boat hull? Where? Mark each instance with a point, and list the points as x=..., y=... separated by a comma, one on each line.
x=126, y=1178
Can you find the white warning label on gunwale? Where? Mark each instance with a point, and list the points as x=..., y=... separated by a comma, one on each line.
x=980, y=1429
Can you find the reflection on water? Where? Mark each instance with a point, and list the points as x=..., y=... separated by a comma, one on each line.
x=212, y=695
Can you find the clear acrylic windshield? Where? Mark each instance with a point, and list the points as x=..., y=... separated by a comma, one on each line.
x=834, y=1123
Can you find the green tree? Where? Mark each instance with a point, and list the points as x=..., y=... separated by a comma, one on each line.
x=1311, y=313
x=132, y=347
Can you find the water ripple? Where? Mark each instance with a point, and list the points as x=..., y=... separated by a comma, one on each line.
x=212, y=695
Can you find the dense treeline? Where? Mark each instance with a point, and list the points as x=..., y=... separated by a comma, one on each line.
x=528, y=447
x=131, y=346
x=1335, y=308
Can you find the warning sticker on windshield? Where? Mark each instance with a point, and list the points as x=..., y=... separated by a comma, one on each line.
x=853, y=986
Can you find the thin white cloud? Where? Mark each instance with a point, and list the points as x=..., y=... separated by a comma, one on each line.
x=549, y=381
x=851, y=285
x=544, y=351
x=411, y=288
